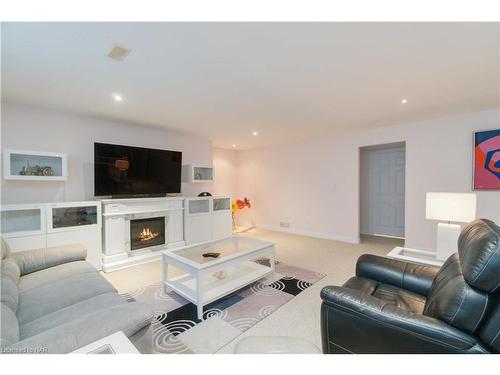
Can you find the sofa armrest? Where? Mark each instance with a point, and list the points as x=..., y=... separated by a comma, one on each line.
x=39, y=259
x=414, y=277
x=355, y=322
x=130, y=318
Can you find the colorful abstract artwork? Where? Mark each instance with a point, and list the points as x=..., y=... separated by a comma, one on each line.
x=487, y=160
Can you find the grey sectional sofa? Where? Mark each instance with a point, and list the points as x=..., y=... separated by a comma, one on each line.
x=52, y=301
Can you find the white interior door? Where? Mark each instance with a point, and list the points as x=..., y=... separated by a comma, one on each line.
x=387, y=192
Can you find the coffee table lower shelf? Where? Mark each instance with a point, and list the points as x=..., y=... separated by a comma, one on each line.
x=236, y=277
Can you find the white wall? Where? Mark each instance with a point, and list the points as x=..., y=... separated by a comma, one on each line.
x=226, y=174
x=28, y=128
x=314, y=185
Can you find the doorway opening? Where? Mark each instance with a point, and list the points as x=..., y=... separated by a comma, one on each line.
x=382, y=190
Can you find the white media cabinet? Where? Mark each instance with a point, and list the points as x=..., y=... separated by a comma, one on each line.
x=105, y=226
x=35, y=226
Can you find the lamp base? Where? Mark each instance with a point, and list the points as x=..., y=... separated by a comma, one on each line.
x=447, y=240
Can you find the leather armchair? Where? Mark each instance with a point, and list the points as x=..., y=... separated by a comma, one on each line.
x=397, y=307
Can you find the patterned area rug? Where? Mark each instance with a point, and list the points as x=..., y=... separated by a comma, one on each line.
x=176, y=328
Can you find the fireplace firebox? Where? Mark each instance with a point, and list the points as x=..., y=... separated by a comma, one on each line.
x=147, y=232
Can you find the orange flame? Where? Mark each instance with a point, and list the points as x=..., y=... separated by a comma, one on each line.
x=147, y=234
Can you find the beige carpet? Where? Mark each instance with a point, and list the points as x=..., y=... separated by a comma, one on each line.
x=300, y=316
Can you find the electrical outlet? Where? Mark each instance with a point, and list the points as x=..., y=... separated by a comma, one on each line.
x=284, y=224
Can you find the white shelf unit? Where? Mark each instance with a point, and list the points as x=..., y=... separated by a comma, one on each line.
x=197, y=173
x=27, y=227
x=16, y=163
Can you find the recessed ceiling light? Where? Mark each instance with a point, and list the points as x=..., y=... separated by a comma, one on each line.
x=234, y=146
x=404, y=101
x=255, y=133
x=117, y=97
x=118, y=53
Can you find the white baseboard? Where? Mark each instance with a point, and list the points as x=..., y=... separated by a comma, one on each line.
x=131, y=261
x=324, y=236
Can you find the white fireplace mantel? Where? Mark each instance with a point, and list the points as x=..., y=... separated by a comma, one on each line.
x=117, y=213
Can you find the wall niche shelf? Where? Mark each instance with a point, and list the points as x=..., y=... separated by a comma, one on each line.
x=35, y=165
x=197, y=173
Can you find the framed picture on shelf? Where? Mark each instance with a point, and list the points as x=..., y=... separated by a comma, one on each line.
x=486, y=163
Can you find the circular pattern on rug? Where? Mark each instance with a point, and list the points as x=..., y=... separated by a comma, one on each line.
x=160, y=295
x=267, y=310
x=215, y=312
x=179, y=326
x=243, y=323
x=268, y=290
x=164, y=341
x=134, y=293
x=159, y=316
x=302, y=285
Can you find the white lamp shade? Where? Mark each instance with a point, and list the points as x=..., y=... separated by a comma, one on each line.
x=459, y=207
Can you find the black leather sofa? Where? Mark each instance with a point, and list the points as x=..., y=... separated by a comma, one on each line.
x=398, y=307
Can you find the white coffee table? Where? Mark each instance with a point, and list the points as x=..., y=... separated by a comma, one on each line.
x=200, y=284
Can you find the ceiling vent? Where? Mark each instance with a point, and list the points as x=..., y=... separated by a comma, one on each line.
x=118, y=53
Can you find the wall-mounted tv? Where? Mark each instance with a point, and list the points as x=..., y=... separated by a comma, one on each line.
x=135, y=171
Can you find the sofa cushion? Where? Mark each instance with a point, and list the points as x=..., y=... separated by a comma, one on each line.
x=454, y=301
x=9, y=294
x=45, y=299
x=52, y=274
x=479, y=249
x=70, y=313
x=9, y=328
x=39, y=259
x=5, y=249
x=128, y=318
x=398, y=297
x=10, y=269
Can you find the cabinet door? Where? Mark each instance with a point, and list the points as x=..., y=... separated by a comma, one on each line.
x=198, y=229
x=175, y=227
x=72, y=218
x=115, y=236
x=26, y=243
x=222, y=225
x=28, y=220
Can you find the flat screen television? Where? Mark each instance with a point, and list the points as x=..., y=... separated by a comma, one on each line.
x=135, y=171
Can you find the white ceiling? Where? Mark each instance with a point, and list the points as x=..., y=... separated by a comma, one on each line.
x=288, y=81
